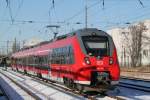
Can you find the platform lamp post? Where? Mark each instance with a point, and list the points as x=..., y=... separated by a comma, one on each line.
x=56, y=28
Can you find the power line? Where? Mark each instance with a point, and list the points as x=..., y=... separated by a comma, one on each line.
x=30, y=21
x=19, y=7
x=139, y=16
x=117, y=23
x=10, y=12
x=53, y=7
x=81, y=11
x=86, y=16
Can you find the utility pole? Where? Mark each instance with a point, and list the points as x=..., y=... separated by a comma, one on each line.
x=86, y=15
x=7, y=46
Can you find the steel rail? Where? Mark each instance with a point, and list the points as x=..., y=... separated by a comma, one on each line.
x=136, y=79
x=4, y=92
x=134, y=86
x=58, y=86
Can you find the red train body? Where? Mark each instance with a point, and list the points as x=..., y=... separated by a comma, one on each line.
x=86, y=57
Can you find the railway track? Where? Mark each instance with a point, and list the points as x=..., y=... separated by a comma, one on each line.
x=135, y=75
x=92, y=95
x=64, y=89
x=3, y=94
x=133, y=86
x=135, y=79
x=76, y=94
x=135, y=83
x=58, y=87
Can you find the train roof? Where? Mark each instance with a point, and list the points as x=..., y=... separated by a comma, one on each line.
x=80, y=32
x=91, y=31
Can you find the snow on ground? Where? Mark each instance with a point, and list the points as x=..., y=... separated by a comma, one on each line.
x=47, y=92
x=13, y=91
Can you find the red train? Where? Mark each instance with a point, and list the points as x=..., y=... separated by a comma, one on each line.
x=85, y=59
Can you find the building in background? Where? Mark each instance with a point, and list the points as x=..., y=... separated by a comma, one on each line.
x=122, y=36
x=32, y=42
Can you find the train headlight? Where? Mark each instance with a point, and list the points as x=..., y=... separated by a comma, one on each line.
x=87, y=60
x=110, y=61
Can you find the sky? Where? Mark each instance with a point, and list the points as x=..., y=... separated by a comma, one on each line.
x=31, y=17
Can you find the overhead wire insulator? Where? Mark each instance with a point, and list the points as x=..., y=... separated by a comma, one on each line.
x=141, y=3
x=7, y=3
x=103, y=4
x=53, y=2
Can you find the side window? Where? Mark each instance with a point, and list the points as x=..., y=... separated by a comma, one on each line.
x=53, y=57
x=67, y=55
x=71, y=55
x=56, y=59
x=58, y=55
x=62, y=55
x=45, y=59
x=50, y=57
x=28, y=60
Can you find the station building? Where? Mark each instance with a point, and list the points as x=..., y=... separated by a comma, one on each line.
x=118, y=35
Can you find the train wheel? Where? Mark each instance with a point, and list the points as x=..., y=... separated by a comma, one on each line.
x=69, y=83
x=17, y=70
x=80, y=88
x=39, y=75
x=72, y=84
x=25, y=72
x=65, y=81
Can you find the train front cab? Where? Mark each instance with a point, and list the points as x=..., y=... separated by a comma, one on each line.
x=99, y=66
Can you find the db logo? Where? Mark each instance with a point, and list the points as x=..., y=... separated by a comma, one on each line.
x=99, y=62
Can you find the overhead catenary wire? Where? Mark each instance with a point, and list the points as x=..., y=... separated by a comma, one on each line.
x=81, y=11
x=53, y=8
x=64, y=23
x=10, y=12
x=19, y=7
x=12, y=18
x=127, y=21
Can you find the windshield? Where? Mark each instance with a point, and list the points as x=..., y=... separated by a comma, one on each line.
x=96, y=45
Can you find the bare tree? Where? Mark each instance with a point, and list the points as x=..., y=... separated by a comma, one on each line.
x=133, y=43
